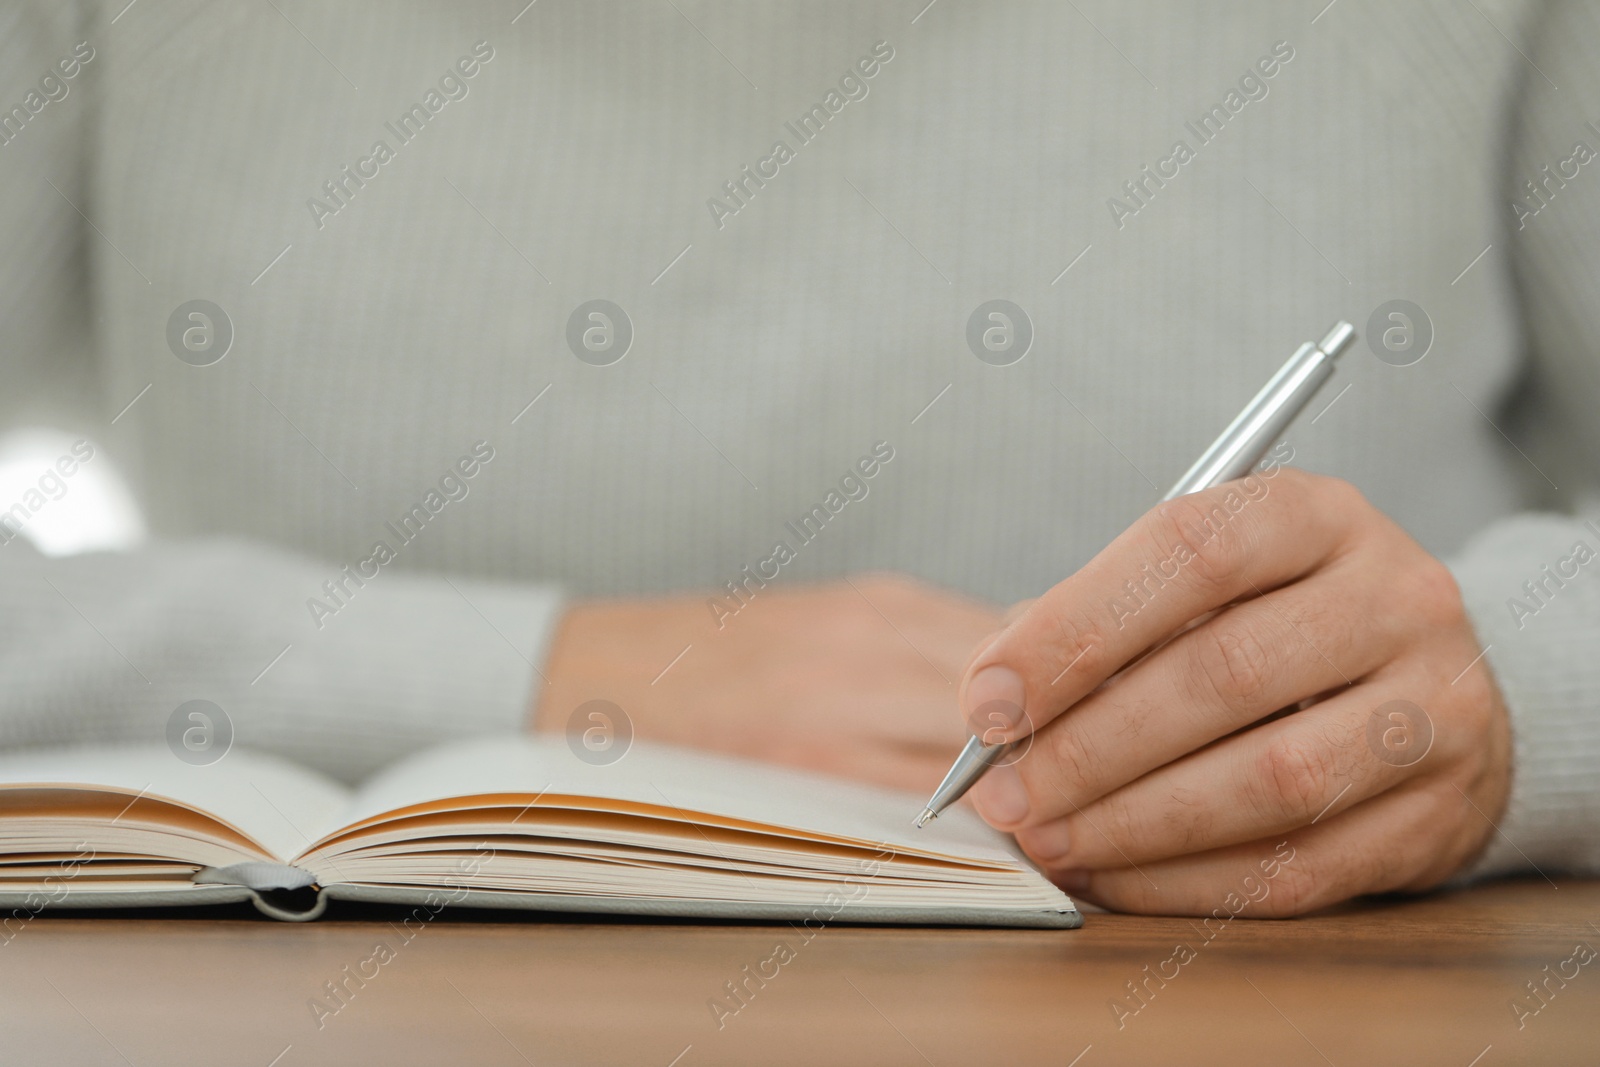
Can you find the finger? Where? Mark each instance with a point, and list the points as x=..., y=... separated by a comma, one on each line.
x=1240, y=666
x=1180, y=560
x=1375, y=848
x=1287, y=774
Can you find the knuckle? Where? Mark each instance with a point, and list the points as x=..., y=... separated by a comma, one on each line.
x=1437, y=595
x=1297, y=889
x=1297, y=774
x=1197, y=529
x=1474, y=712
x=1295, y=484
x=1467, y=836
x=1190, y=822
x=1338, y=491
x=1389, y=869
x=1117, y=823
x=1080, y=643
x=1074, y=764
x=1308, y=494
x=1235, y=664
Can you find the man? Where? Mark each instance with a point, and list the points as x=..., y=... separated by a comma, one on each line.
x=475, y=364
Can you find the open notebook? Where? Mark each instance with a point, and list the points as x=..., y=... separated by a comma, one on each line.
x=503, y=823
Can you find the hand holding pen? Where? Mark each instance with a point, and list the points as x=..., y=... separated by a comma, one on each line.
x=1161, y=790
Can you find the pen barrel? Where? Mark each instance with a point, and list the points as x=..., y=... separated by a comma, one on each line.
x=974, y=759
x=1261, y=424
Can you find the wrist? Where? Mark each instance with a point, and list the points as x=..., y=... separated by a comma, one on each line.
x=616, y=651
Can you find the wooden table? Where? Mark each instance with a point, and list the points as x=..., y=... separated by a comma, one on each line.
x=1413, y=982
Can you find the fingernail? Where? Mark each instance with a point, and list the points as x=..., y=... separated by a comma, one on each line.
x=1000, y=797
x=1071, y=881
x=1047, y=844
x=994, y=703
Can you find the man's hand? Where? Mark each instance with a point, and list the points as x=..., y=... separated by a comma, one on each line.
x=852, y=678
x=1336, y=700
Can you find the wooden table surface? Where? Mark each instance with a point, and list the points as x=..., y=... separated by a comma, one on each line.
x=1428, y=981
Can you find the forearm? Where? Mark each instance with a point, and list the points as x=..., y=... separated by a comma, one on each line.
x=105, y=647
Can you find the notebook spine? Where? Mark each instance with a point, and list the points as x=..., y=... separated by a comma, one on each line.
x=278, y=890
x=290, y=905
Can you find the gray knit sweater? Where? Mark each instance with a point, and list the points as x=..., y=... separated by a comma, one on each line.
x=420, y=434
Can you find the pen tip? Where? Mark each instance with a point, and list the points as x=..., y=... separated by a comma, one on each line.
x=927, y=815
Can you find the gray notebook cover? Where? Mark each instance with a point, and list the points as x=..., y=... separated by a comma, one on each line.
x=271, y=903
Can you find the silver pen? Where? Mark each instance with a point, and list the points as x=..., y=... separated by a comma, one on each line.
x=1233, y=455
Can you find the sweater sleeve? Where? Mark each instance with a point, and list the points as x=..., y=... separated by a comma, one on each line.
x=47, y=367
x=109, y=646
x=1537, y=608
x=1532, y=583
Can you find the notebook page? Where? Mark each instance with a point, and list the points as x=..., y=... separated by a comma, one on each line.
x=280, y=806
x=669, y=777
